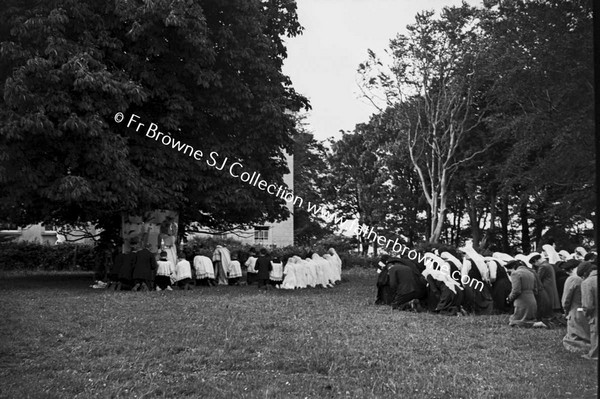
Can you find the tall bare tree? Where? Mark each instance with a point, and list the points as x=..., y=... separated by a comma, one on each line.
x=432, y=85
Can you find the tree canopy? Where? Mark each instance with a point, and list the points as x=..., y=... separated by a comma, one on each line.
x=208, y=72
x=494, y=108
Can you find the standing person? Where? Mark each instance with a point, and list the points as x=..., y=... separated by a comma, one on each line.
x=263, y=268
x=183, y=273
x=221, y=260
x=522, y=295
x=589, y=300
x=164, y=272
x=144, y=268
x=276, y=275
x=577, y=338
x=251, y=267
x=235, y=270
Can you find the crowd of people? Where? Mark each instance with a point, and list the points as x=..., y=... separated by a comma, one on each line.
x=544, y=289
x=140, y=270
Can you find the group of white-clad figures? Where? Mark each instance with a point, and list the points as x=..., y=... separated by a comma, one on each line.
x=540, y=289
x=226, y=269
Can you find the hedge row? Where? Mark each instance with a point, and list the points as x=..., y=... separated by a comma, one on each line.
x=33, y=256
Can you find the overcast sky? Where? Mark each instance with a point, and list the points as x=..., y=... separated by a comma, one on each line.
x=322, y=62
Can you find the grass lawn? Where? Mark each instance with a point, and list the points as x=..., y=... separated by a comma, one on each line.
x=60, y=338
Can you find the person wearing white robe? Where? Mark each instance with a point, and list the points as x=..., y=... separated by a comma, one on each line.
x=290, y=281
x=322, y=268
x=311, y=272
x=221, y=261
x=183, y=274
x=332, y=270
x=301, y=272
x=204, y=269
x=235, y=271
x=276, y=273
x=338, y=263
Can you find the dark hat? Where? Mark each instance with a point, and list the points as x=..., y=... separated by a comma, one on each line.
x=569, y=264
x=585, y=268
x=393, y=260
x=534, y=259
x=513, y=264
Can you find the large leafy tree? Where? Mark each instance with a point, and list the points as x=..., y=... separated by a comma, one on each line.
x=208, y=72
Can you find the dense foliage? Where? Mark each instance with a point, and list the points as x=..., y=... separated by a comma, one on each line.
x=208, y=72
x=487, y=117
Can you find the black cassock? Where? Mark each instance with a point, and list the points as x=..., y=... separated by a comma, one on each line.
x=406, y=283
x=383, y=288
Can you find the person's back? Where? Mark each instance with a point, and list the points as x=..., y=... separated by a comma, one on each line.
x=548, y=279
x=126, y=270
x=589, y=300
x=263, y=266
x=183, y=274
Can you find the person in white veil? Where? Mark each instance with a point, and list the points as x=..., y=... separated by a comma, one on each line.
x=289, y=274
x=302, y=273
x=338, y=264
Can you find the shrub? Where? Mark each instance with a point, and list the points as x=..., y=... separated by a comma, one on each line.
x=34, y=256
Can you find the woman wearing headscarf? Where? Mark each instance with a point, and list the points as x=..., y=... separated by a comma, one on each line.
x=289, y=274
x=577, y=338
x=522, y=295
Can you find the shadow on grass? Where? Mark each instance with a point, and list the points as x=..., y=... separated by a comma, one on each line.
x=52, y=280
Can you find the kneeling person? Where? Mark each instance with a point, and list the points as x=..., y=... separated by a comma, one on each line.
x=183, y=273
x=164, y=272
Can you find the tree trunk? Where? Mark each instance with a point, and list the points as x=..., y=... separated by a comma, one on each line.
x=525, y=239
x=474, y=223
x=539, y=224
x=504, y=220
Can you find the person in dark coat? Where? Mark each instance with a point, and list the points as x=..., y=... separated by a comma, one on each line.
x=144, y=268
x=263, y=267
x=478, y=300
x=544, y=308
x=383, y=283
x=501, y=288
x=126, y=271
x=406, y=284
x=115, y=269
x=548, y=279
x=561, y=277
x=522, y=295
